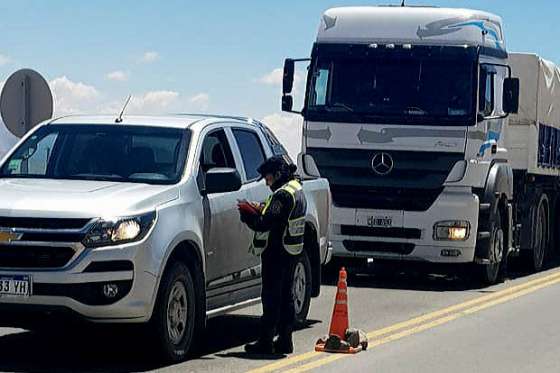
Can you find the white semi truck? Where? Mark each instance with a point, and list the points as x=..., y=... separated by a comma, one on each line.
x=439, y=145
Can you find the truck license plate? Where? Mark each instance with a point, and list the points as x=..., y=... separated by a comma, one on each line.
x=380, y=221
x=15, y=286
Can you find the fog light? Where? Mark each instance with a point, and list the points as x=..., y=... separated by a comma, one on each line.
x=110, y=290
x=452, y=230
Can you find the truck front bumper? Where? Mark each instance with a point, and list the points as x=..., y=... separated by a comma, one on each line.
x=79, y=286
x=451, y=205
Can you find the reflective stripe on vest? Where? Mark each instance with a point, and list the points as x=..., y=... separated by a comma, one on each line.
x=294, y=234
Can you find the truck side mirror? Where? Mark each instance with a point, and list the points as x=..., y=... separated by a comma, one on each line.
x=222, y=180
x=287, y=103
x=511, y=95
x=288, y=77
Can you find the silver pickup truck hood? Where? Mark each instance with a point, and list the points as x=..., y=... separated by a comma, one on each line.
x=79, y=199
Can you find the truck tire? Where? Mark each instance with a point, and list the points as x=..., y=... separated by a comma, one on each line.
x=302, y=287
x=173, y=321
x=535, y=257
x=490, y=273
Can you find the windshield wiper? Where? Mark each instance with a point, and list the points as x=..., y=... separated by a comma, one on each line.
x=339, y=105
x=413, y=110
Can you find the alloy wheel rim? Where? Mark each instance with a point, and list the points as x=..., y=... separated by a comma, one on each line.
x=177, y=306
x=299, y=287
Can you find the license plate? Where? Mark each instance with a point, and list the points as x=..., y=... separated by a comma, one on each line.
x=15, y=286
x=380, y=221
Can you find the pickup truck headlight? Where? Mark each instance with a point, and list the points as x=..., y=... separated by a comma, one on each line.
x=452, y=230
x=117, y=231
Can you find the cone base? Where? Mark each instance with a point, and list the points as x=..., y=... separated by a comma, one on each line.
x=320, y=347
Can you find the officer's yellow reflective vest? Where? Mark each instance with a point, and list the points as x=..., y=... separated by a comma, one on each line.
x=295, y=230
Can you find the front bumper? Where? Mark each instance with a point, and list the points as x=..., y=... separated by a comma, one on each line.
x=79, y=289
x=452, y=204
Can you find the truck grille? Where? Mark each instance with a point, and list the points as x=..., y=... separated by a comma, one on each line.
x=405, y=233
x=380, y=247
x=17, y=256
x=384, y=198
x=414, y=184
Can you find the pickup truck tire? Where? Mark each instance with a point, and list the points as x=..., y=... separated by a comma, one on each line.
x=173, y=320
x=489, y=273
x=301, y=290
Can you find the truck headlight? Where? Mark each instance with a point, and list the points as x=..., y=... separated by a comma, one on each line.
x=107, y=232
x=452, y=230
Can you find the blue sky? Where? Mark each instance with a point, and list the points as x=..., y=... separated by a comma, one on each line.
x=214, y=56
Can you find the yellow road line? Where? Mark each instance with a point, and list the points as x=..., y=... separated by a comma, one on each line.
x=430, y=325
x=412, y=322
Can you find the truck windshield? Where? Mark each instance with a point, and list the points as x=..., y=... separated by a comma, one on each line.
x=416, y=86
x=121, y=153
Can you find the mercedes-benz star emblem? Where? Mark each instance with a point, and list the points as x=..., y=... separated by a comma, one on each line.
x=382, y=164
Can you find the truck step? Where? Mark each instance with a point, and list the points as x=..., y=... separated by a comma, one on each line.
x=483, y=235
x=485, y=206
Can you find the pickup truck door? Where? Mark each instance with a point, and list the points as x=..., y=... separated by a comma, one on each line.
x=252, y=154
x=226, y=238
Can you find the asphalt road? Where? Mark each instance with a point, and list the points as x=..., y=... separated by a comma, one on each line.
x=415, y=322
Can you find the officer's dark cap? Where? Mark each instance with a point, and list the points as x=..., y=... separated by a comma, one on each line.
x=276, y=164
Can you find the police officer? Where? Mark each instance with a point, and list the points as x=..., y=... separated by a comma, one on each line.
x=279, y=229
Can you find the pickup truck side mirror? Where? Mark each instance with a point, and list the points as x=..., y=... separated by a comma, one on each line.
x=222, y=180
x=511, y=95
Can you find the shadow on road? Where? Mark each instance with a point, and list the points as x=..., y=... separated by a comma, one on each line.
x=116, y=348
x=422, y=277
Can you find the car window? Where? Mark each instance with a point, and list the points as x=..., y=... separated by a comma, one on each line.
x=216, y=151
x=251, y=151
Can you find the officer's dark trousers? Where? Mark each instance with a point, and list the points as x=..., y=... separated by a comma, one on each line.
x=277, y=300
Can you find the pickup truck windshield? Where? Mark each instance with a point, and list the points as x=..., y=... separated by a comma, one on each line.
x=121, y=153
x=403, y=86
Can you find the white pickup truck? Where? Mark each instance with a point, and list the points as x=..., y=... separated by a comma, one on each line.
x=136, y=222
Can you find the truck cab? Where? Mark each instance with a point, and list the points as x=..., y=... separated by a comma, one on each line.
x=405, y=114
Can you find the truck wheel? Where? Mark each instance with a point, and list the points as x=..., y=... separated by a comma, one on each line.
x=301, y=289
x=173, y=320
x=489, y=273
x=534, y=258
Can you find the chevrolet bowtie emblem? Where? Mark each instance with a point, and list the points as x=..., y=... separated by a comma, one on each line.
x=9, y=236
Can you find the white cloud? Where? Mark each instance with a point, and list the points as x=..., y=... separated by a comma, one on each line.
x=288, y=129
x=150, y=57
x=4, y=60
x=276, y=76
x=118, y=75
x=272, y=78
x=200, y=101
x=153, y=102
x=73, y=97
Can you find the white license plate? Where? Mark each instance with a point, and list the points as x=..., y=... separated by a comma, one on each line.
x=380, y=221
x=15, y=286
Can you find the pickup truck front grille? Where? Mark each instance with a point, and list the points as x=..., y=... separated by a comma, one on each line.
x=20, y=257
x=42, y=223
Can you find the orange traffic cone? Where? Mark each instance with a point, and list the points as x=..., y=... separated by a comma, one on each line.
x=336, y=341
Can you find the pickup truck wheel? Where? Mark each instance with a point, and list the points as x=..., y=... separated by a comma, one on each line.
x=173, y=320
x=489, y=273
x=301, y=289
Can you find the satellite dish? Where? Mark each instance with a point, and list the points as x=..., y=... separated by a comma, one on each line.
x=26, y=101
